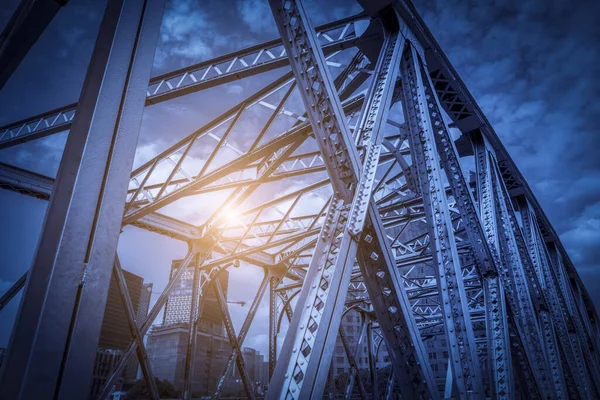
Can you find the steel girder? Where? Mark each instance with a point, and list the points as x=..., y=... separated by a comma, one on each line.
x=52, y=346
x=569, y=338
x=217, y=71
x=40, y=186
x=303, y=364
x=26, y=182
x=193, y=233
x=550, y=330
x=466, y=115
x=459, y=332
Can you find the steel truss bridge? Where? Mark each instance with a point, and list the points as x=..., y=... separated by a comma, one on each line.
x=410, y=210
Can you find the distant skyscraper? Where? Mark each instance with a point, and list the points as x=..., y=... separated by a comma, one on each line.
x=106, y=362
x=115, y=333
x=351, y=325
x=167, y=344
x=167, y=347
x=177, y=309
x=257, y=367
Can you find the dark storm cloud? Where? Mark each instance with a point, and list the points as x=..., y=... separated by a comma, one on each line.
x=50, y=76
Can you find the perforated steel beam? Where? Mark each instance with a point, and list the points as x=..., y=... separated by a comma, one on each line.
x=481, y=227
x=467, y=116
x=526, y=302
x=459, y=330
x=573, y=359
x=303, y=364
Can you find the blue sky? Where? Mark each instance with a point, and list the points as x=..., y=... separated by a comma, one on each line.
x=532, y=66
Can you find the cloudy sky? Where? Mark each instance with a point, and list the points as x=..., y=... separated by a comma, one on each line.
x=531, y=65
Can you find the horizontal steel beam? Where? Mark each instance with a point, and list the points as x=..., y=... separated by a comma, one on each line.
x=40, y=186
x=26, y=182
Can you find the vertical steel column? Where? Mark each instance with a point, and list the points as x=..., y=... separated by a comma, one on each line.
x=498, y=339
x=590, y=353
x=53, y=344
x=589, y=324
x=314, y=327
x=524, y=379
x=561, y=276
x=351, y=356
x=553, y=354
x=459, y=330
x=382, y=279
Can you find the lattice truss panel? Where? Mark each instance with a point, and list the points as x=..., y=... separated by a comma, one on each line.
x=365, y=200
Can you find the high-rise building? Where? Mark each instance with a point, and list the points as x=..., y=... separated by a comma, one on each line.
x=115, y=334
x=167, y=346
x=106, y=362
x=177, y=309
x=351, y=326
x=257, y=368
